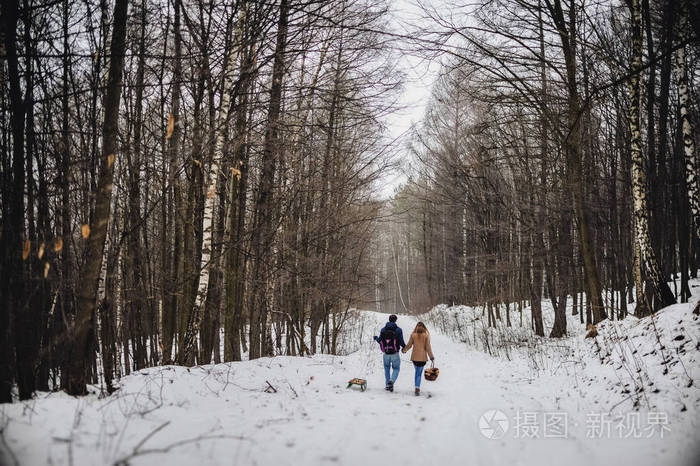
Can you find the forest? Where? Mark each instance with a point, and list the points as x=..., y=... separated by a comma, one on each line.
x=557, y=157
x=191, y=182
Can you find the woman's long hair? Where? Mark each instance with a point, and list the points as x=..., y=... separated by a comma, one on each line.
x=420, y=328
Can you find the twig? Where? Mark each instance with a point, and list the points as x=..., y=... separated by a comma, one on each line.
x=628, y=397
x=124, y=461
x=661, y=346
x=270, y=388
x=228, y=374
x=292, y=388
x=153, y=432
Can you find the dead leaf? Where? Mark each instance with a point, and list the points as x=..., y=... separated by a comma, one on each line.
x=171, y=126
x=591, y=331
x=211, y=193
x=27, y=248
x=85, y=230
x=236, y=172
x=47, y=266
x=197, y=162
x=40, y=254
x=58, y=244
x=110, y=160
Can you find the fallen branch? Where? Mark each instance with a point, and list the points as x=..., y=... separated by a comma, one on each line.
x=270, y=388
x=124, y=461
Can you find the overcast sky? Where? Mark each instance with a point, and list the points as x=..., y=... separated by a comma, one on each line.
x=419, y=77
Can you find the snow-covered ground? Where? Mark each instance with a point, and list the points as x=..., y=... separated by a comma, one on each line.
x=630, y=396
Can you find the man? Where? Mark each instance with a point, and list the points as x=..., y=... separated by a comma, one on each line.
x=390, y=340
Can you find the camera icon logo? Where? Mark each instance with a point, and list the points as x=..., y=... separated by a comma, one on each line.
x=493, y=424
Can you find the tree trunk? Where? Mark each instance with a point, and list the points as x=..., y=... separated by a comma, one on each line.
x=84, y=325
x=691, y=178
x=234, y=255
x=262, y=224
x=646, y=255
x=13, y=296
x=572, y=144
x=212, y=177
x=170, y=218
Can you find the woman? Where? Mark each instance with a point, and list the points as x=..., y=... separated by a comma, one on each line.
x=420, y=341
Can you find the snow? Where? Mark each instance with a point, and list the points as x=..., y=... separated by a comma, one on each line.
x=635, y=370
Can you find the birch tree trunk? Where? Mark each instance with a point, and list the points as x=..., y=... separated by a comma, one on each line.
x=691, y=178
x=646, y=261
x=189, y=343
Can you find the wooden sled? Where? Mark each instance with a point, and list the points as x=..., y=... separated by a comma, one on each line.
x=362, y=383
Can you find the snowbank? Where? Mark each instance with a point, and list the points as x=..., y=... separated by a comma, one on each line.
x=626, y=397
x=634, y=370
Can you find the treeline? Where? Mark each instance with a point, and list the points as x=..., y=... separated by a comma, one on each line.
x=557, y=158
x=183, y=176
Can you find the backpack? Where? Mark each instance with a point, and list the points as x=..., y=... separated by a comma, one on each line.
x=388, y=341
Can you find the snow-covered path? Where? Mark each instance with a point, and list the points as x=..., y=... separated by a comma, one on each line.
x=220, y=415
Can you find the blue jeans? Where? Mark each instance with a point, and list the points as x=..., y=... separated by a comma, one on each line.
x=419, y=372
x=392, y=361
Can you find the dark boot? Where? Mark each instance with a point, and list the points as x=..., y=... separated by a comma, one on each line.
x=417, y=391
x=391, y=386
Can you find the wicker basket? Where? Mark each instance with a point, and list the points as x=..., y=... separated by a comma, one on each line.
x=432, y=373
